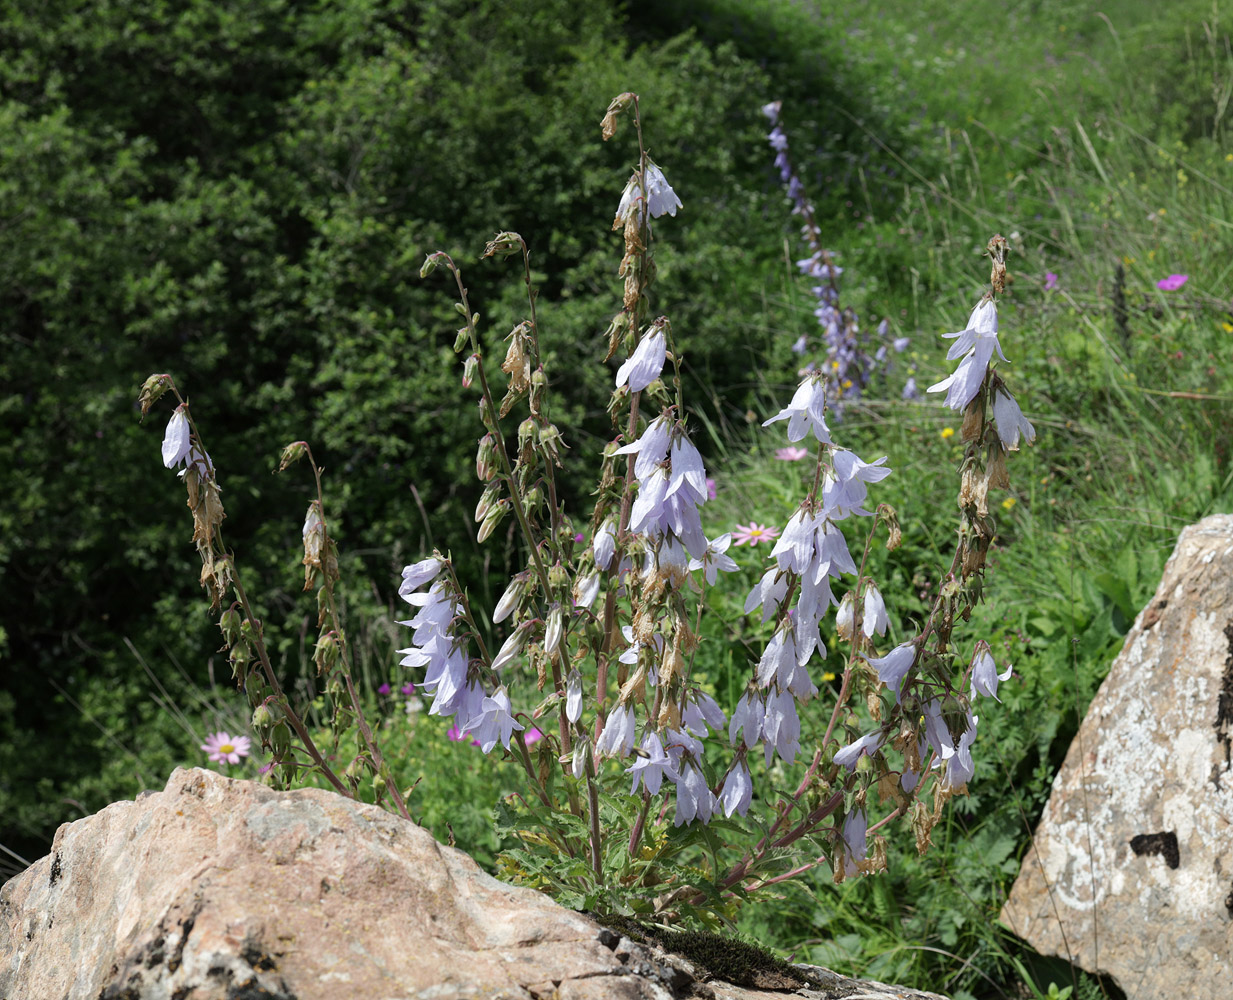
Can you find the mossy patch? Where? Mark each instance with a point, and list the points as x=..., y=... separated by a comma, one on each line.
x=717, y=956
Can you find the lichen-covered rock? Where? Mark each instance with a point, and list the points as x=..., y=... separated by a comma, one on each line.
x=216, y=889
x=1132, y=869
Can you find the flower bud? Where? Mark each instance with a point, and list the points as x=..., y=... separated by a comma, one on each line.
x=509, y=600
x=528, y=437
x=239, y=656
x=512, y=646
x=554, y=630
x=430, y=263
x=539, y=384
x=487, y=499
x=262, y=717
x=485, y=458
x=292, y=454
x=550, y=443
x=151, y=390
x=469, y=368
x=533, y=499
x=558, y=577
x=492, y=519
x=619, y=103
x=461, y=338
x=280, y=739
x=844, y=618
x=326, y=652
x=503, y=245
x=229, y=625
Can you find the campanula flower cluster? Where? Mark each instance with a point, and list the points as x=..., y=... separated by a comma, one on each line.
x=582, y=671
x=851, y=358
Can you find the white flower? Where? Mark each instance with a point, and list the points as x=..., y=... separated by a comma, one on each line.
x=604, y=544
x=418, y=574
x=781, y=727
x=701, y=710
x=176, y=439
x=959, y=764
x=894, y=666
x=554, y=630
x=1010, y=420
x=586, y=589
x=845, y=617
x=715, y=558
x=874, y=618
x=573, y=697
x=768, y=592
x=509, y=600
x=747, y=720
x=645, y=364
x=617, y=739
x=855, y=828
x=985, y=674
x=660, y=197
x=511, y=647
x=977, y=342
x=694, y=799
x=806, y=412
x=495, y=722
x=738, y=790
x=650, y=767
x=865, y=746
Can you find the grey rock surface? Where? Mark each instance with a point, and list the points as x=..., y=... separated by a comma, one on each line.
x=216, y=889
x=1132, y=869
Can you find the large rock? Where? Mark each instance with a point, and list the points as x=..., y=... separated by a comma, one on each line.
x=1132, y=869
x=215, y=888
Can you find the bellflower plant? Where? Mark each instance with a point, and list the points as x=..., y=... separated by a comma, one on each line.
x=850, y=358
x=640, y=791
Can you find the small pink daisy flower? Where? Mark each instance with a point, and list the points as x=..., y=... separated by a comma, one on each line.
x=226, y=749
x=752, y=534
x=710, y=489
x=1050, y=281
x=791, y=454
x=533, y=736
x=1173, y=282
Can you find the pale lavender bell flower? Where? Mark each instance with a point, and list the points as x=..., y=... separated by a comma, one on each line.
x=617, y=739
x=1010, y=420
x=894, y=666
x=806, y=413
x=651, y=766
x=495, y=722
x=646, y=363
x=977, y=343
x=866, y=746
x=985, y=674
x=737, y=791
x=177, y=439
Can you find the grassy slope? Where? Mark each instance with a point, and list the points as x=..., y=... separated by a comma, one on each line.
x=1089, y=142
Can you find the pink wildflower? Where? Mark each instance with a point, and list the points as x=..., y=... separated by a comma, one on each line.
x=533, y=736
x=752, y=533
x=456, y=735
x=1173, y=282
x=791, y=454
x=710, y=489
x=1050, y=281
x=226, y=749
